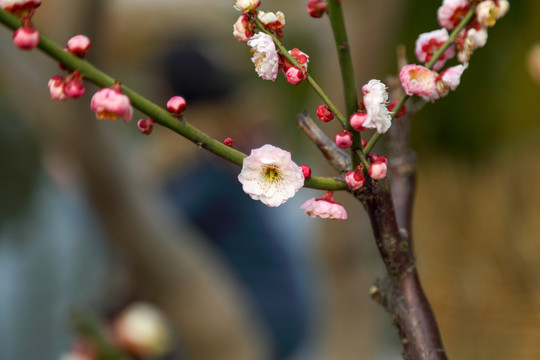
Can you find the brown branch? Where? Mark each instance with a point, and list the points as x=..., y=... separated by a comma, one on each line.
x=400, y=293
x=335, y=156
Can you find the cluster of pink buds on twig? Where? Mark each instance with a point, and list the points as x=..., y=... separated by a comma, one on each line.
x=25, y=37
x=70, y=86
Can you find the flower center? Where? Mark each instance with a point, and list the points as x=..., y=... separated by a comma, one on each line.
x=271, y=173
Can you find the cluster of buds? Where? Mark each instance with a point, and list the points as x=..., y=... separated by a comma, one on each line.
x=140, y=330
x=25, y=37
x=377, y=170
x=70, y=86
x=294, y=74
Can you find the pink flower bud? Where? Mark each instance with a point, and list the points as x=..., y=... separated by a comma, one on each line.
x=316, y=8
x=26, y=37
x=74, y=87
x=376, y=157
x=401, y=111
x=364, y=143
x=344, y=139
x=229, y=142
x=324, y=114
x=79, y=45
x=357, y=121
x=377, y=170
x=355, y=179
x=56, y=88
x=306, y=170
x=146, y=126
x=295, y=75
x=111, y=104
x=243, y=28
x=176, y=105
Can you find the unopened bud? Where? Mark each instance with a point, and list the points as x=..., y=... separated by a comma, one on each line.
x=355, y=179
x=146, y=126
x=316, y=8
x=377, y=170
x=26, y=37
x=306, y=170
x=229, y=142
x=324, y=114
x=357, y=121
x=79, y=45
x=344, y=139
x=176, y=105
x=295, y=76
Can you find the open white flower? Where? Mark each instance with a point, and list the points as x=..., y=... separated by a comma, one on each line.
x=375, y=98
x=269, y=175
x=265, y=56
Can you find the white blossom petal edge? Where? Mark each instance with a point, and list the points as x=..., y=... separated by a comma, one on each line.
x=265, y=56
x=375, y=98
x=269, y=175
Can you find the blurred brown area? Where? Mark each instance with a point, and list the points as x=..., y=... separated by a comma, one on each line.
x=477, y=212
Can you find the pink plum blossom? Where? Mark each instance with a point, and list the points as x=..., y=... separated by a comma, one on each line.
x=111, y=104
x=418, y=80
x=269, y=175
x=325, y=208
x=74, y=86
x=470, y=40
x=265, y=56
x=275, y=22
x=375, y=98
x=428, y=43
x=451, y=12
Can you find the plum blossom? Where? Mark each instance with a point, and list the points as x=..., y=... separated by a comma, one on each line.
x=275, y=22
x=449, y=79
x=269, y=175
x=451, y=12
x=247, y=5
x=377, y=170
x=375, y=98
x=470, y=40
x=417, y=80
x=26, y=37
x=243, y=28
x=325, y=208
x=111, y=104
x=79, y=45
x=428, y=43
x=355, y=179
x=265, y=56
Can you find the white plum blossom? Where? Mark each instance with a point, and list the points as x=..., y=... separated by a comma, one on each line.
x=448, y=80
x=488, y=12
x=451, y=12
x=269, y=175
x=265, y=56
x=268, y=17
x=375, y=99
x=472, y=40
x=428, y=43
x=247, y=5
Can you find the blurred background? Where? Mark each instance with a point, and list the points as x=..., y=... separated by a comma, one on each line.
x=95, y=216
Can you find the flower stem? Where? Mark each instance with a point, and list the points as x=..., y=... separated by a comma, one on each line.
x=373, y=140
x=285, y=53
x=160, y=115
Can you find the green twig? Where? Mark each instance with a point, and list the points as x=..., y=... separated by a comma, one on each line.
x=160, y=115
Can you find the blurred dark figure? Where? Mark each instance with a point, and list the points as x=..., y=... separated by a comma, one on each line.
x=240, y=229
